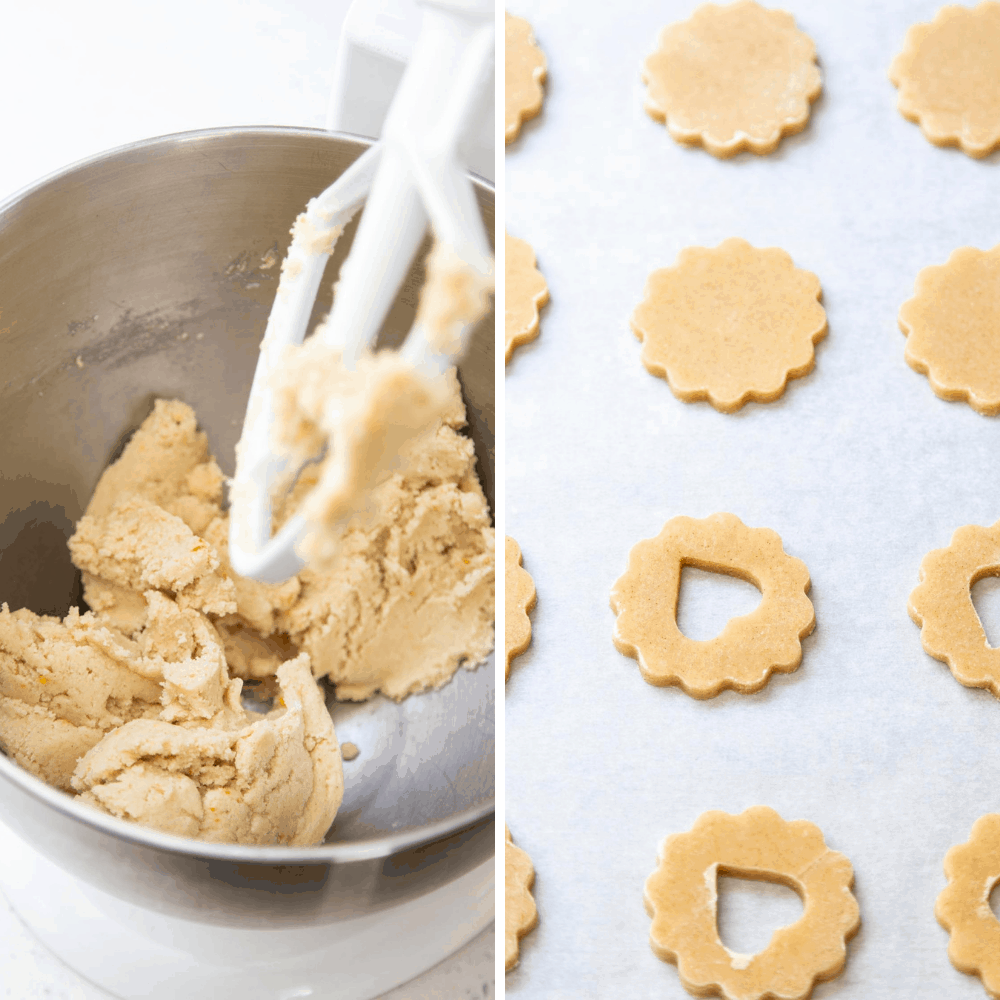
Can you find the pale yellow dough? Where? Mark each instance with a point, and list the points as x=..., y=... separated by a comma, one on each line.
x=520, y=912
x=732, y=77
x=526, y=293
x=681, y=896
x=277, y=780
x=948, y=76
x=524, y=75
x=136, y=705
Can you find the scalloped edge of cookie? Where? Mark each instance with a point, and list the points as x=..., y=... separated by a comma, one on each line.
x=539, y=299
x=526, y=887
x=958, y=949
x=930, y=637
x=522, y=576
x=989, y=407
x=539, y=75
x=534, y=327
x=708, y=988
x=786, y=665
x=755, y=394
x=512, y=131
x=949, y=393
x=788, y=654
x=944, y=137
x=741, y=142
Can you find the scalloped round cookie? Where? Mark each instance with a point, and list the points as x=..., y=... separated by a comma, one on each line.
x=963, y=907
x=524, y=74
x=519, y=599
x=730, y=324
x=520, y=912
x=952, y=328
x=948, y=76
x=950, y=629
x=682, y=895
x=732, y=78
x=751, y=647
x=525, y=292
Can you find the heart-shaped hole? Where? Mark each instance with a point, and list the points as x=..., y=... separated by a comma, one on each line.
x=995, y=900
x=749, y=911
x=707, y=601
x=986, y=601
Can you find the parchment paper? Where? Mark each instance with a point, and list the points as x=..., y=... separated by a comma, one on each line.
x=859, y=468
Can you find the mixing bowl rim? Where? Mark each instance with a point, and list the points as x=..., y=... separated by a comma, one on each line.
x=362, y=850
x=20, y=194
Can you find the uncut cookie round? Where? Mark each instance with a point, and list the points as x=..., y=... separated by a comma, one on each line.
x=732, y=78
x=952, y=328
x=751, y=647
x=948, y=75
x=731, y=324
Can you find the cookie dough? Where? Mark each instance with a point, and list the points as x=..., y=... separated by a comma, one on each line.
x=525, y=293
x=135, y=706
x=520, y=912
x=730, y=325
x=952, y=328
x=275, y=781
x=63, y=686
x=732, y=78
x=150, y=728
x=751, y=647
x=519, y=599
x=963, y=907
x=409, y=598
x=681, y=897
x=524, y=74
x=948, y=76
x=941, y=605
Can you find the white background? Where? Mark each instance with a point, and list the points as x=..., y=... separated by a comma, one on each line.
x=83, y=78
x=859, y=468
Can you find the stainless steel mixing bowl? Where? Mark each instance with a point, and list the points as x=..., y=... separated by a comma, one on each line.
x=149, y=272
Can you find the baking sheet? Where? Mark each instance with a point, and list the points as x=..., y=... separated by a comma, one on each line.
x=859, y=468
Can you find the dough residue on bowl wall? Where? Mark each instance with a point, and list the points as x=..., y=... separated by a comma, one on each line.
x=136, y=705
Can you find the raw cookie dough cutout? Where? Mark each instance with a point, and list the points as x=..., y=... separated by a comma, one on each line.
x=520, y=913
x=951, y=328
x=681, y=897
x=731, y=324
x=525, y=292
x=750, y=647
x=524, y=74
x=963, y=908
x=942, y=605
x=519, y=599
x=732, y=78
x=948, y=76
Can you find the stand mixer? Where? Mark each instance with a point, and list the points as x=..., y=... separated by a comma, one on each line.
x=145, y=244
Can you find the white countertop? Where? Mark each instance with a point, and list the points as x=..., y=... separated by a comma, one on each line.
x=29, y=971
x=92, y=77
